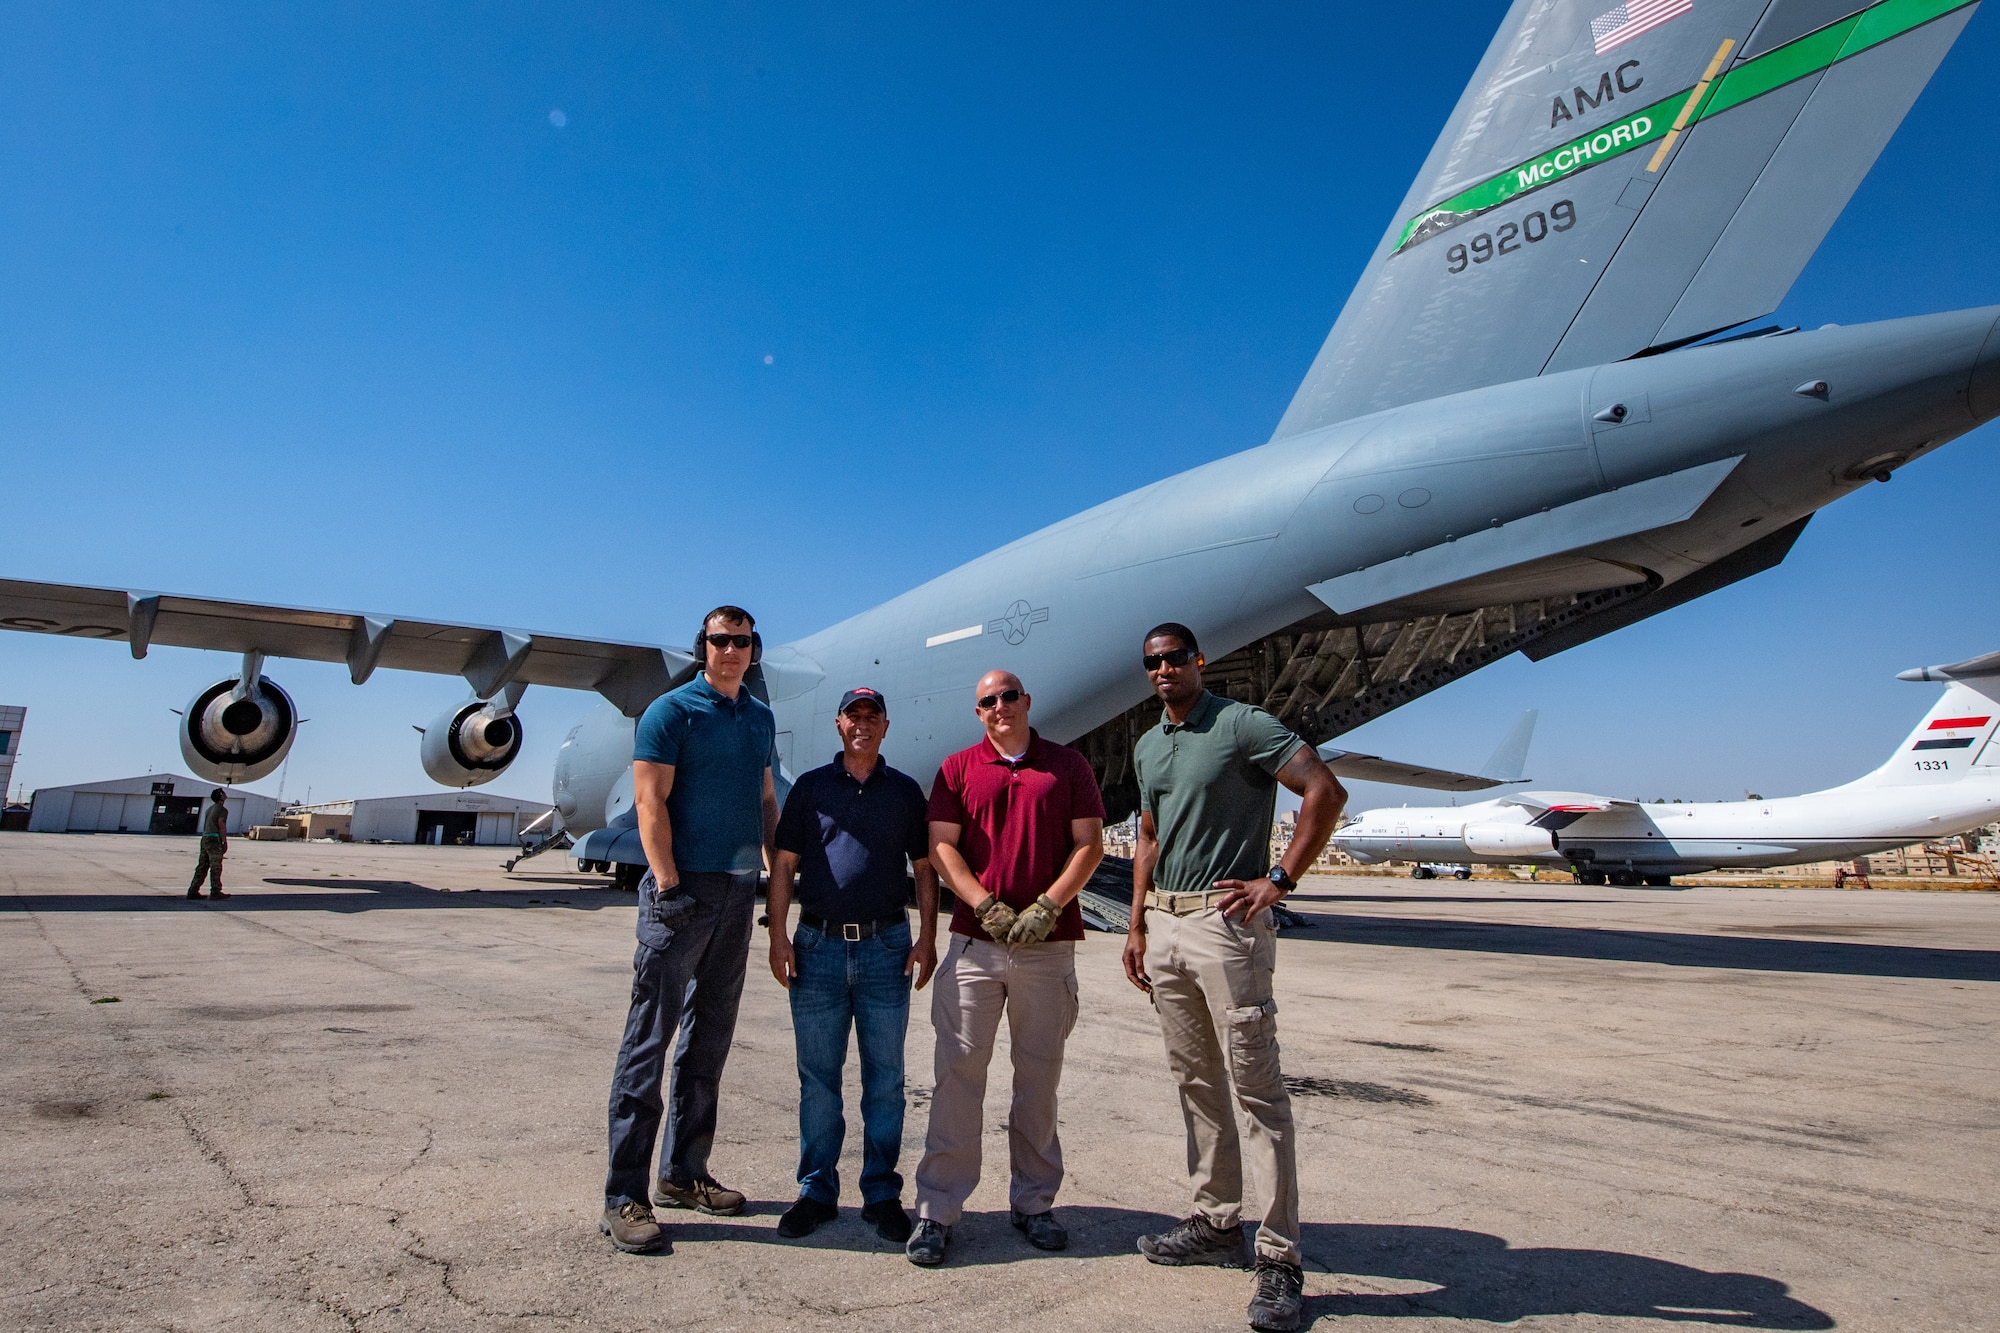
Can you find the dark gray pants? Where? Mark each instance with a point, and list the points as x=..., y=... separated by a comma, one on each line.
x=687, y=975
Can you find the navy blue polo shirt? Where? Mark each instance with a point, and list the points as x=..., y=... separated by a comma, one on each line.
x=719, y=748
x=852, y=840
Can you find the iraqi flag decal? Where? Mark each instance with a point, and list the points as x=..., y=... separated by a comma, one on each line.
x=1951, y=733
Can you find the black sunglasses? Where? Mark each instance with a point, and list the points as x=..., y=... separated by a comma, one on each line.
x=1004, y=697
x=727, y=640
x=1179, y=657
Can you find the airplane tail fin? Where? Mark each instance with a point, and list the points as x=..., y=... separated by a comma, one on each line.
x=1510, y=761
x=1954, y=740
x=1623, y=178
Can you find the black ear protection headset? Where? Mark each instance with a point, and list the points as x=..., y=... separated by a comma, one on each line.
x=701, y=646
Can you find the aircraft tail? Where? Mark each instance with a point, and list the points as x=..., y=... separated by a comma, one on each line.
x=1510, y=761
x=1955, y=739
x=1619, y=179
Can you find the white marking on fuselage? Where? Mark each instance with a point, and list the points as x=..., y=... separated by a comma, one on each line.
x=953, y=636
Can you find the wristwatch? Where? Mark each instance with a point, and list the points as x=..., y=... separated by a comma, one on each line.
x=1284, y=882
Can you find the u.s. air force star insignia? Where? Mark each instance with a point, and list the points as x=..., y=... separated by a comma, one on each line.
x=1020, y=617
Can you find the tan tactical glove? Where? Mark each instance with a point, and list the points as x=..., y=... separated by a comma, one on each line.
x=996, y=917
x=1035, y=922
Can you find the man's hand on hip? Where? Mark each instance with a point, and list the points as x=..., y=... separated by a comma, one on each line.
x=1248, y=896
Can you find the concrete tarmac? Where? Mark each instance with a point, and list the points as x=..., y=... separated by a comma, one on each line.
x=369, y=1093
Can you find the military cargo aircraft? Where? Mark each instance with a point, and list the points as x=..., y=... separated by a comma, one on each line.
x=1943, y=779
x=1539, y=418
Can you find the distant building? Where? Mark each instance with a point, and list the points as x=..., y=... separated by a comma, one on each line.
x=444, y=818
x=151, y=803
x=11, y=720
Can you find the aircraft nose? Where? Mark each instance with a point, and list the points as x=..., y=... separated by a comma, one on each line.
x=1983, y=395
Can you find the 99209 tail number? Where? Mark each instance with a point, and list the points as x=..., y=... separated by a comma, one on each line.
x=1507, y=238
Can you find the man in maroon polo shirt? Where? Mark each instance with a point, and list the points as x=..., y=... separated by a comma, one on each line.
x=1017, y=827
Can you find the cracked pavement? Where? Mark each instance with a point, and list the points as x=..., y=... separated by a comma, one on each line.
x=361, y=1095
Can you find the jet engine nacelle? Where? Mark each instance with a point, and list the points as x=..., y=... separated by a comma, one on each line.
x=471, y=743
x=230, y=734
x=1509, y=840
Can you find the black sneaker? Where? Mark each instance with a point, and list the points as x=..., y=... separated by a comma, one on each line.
x=1042, y=1230
x=891, y=1223
x=805, y=1217
x=1196, y=1240
x=1279, y=1296
x=927, y=1243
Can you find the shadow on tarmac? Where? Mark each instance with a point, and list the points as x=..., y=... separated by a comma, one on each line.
x=979, y=1239
x=1478, y=1276
x=1750, y=954
x=348, y=895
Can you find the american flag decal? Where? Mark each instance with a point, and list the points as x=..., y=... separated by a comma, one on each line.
x=1971, y=724
x=1634, y=17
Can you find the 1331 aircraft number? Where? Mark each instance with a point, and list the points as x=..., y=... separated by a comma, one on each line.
x=1933, y=765
x=1506, y=239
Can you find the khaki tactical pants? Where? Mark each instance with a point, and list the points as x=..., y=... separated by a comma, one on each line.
x=1035, y=986
x=1212, y=991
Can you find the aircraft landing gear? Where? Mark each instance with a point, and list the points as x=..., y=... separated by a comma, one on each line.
x=1625, y=879
x=1585, y=875
x=1422, y=872
x=1658, y=881
x=626, y=878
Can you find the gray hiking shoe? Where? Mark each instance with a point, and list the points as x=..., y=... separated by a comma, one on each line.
x=632, y=1229
x=1196, y=1240
x=1279, y=1297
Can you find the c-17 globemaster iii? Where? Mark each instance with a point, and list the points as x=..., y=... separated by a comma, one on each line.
x=1524, y=431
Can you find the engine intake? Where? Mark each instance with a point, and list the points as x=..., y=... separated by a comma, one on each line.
x=230, y=734
x=472, y=743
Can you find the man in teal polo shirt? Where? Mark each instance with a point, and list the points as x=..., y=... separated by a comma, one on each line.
x=708, y=810
x=1204, y=944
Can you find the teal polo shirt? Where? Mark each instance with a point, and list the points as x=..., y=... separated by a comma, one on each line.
x=1211, y=786
x=719, y=748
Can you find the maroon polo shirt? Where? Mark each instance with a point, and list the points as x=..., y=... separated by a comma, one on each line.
x=1015, y=822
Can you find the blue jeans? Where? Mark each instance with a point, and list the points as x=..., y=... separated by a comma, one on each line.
x=858, y=984
x=687, y=979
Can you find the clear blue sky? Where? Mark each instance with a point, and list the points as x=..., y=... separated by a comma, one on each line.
x=585, y=318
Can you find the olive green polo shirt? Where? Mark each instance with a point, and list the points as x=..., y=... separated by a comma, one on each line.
x=1211, y=786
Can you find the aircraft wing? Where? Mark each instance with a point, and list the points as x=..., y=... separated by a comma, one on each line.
x=1623, y=178
x=1373, y=768
x=1564, y=802
x=630, y=675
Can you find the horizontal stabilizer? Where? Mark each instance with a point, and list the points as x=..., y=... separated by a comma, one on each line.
x=1987, y=664
x=1374, y=768
x=1640, y=507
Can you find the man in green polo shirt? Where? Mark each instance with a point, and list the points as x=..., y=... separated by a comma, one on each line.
x=1204, y=944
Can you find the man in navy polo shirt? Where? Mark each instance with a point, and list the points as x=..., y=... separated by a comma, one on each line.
x=852, y=833
x=701, y=785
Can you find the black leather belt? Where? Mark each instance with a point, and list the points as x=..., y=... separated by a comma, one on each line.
x=851, y=930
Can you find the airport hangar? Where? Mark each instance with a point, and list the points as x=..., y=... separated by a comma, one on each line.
x=455, y=818
x=150, y=803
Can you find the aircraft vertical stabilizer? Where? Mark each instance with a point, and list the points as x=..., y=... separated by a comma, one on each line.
x=1622, y=178
x=1954, y=738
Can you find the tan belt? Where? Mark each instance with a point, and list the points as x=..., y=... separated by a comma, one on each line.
x=1185, y=904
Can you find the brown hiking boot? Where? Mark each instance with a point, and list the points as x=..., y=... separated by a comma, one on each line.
x=706, y=1195
x=632, y=1229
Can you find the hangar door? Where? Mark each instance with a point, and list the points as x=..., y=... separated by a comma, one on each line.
x=447, y=828
x=496, y=828
x=109, y=812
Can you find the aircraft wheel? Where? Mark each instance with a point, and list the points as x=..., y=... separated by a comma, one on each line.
x=1422, y=872
x=626, y=878
x=1590, y=877
x=1659, y=881
x=1461, y=873
x=1625, y=879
